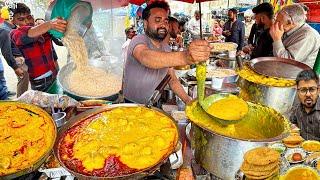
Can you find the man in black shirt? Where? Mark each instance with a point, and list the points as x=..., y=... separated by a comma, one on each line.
x=306, y=115
x=234, y=29
x=264, y=19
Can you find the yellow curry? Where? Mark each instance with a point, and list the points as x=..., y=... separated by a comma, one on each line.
x=311, y=146
x=27, y=133
x=229, y=108
x=301, y=173
x=252, y=76
x=137, y=136
x=260, y=123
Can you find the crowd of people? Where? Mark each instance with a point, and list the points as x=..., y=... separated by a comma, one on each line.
x=263, y=33
x=28, y=49
x=285, y=35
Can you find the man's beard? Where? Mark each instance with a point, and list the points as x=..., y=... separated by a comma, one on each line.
x=309, y=103
x=261, y=26
x=154, y=34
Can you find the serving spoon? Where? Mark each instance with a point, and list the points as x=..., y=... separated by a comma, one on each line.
x=206, y=102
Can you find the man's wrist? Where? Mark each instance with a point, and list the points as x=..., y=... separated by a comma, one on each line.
x=188, y=58
x=277, y=39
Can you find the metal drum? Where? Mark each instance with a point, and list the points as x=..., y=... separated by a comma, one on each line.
x=219, y=149
x=279, y=98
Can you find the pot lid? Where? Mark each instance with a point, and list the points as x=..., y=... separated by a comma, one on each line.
x=277, y=67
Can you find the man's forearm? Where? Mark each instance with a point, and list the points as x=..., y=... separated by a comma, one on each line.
x=280, y=51
x=157, y=60
x=177, y=88
x=39, y=30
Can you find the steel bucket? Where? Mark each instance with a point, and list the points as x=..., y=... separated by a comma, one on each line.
x=219, y=151
x=279, y=98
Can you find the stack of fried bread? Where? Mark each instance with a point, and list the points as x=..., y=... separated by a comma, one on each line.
x=260, y=163
x=293, y=140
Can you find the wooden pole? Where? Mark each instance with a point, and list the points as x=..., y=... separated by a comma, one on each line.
x=200, y=19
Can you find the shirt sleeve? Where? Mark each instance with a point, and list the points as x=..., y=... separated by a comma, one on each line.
x=251, y=36
x=20, y=36
x=293, y=116
x=298, y=50
x=191, y=25
x=241, y=36
x=140, y=39
x=5, y=45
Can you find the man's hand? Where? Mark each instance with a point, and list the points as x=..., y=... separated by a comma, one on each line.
x=19, y=72
x=19, y=60
x=247, y=49
x=227, y=33
x=199, y=51
x=58, y=25
x=276, y=31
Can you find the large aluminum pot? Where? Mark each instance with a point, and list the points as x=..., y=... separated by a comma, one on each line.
x=279, y=98
x=90, y=113
x=66, y=70
x=220, y=149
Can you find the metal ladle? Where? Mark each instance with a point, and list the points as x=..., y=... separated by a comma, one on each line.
x=206, y=102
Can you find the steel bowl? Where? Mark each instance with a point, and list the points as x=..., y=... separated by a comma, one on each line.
x=65, y=71
x=90, y=113
x=226, y=79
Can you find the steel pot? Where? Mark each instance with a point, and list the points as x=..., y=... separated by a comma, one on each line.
x=220, y=153
x=89, y=113
x=279, y=98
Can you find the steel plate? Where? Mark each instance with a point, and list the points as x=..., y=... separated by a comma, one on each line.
x=277, y=67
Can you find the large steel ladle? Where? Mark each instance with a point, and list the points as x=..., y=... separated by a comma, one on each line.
x=206, y=102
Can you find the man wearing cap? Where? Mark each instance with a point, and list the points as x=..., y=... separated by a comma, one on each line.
x=248, y=22
x=194, y=25
x=130, y=33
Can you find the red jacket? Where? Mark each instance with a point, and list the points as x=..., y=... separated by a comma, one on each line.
x=38, y=52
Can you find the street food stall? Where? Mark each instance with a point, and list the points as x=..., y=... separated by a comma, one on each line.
x=236, y=127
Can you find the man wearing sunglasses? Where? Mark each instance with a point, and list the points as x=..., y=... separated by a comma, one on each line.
x=306, y=115
x=293, y=38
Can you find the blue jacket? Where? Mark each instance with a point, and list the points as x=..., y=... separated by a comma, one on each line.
x=237, y=33
x=5, y=45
